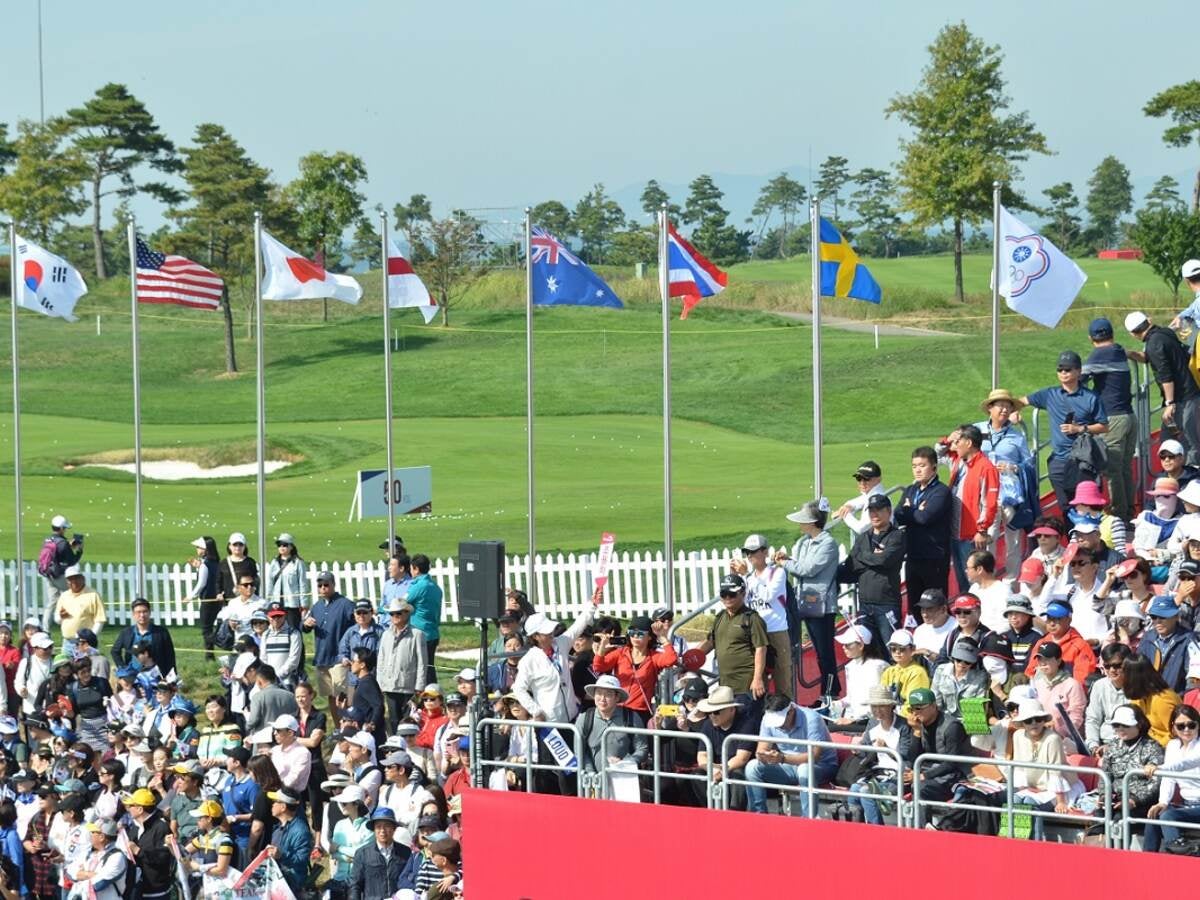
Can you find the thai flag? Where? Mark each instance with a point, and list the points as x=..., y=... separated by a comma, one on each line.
x=691, y=275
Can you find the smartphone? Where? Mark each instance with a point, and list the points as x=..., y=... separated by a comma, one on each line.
x=617, y=641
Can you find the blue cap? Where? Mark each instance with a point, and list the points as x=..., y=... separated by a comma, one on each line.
x=127, y=672
x=183, y=705
x=1058, y=610
x=1163, y=607
x=382, y=814
x=1100, y=329
x=62, y=731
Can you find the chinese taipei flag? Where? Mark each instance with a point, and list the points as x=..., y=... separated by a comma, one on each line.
x=405, y=287
x=289, y=276
x=47, y=283
x=1037, y=279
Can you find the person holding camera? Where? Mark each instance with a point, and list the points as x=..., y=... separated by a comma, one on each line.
x=637, y=665
x=57, y=555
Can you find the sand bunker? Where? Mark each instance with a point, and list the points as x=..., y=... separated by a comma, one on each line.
x=178, y=470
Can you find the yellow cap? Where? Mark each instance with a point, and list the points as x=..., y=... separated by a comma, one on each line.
x=141, y=797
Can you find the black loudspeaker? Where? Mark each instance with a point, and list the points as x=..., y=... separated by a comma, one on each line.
x=481, y=579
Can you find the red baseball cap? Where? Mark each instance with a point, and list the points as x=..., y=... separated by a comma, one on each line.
x=1032, y=570
x=965, y=601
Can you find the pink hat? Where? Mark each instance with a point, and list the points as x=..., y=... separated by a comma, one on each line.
x=1088, y=494
x=1164, y=487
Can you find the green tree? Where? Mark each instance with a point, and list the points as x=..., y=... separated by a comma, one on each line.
x=411, y=218
x=116, y=134
x=1166, y=235
x=963, y=140
x=1110, y=195
x=44, y=188
x=1064, y=227
x=634, y=245
x=8, y=150
x=652, y=199
x=554, y=217
x=874, y=203
x=703, y=202
x=597, y=218
x=327, y=197
x=786, y=195
x=832, y=176
x=453, y=264
x=720, y=242
x=1164, y=194
x=226, y=188
x=1180, y=103
x=365, y=246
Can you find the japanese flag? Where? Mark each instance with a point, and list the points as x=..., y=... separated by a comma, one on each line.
x=47, y=283
x=405, y=287
x=289, y=276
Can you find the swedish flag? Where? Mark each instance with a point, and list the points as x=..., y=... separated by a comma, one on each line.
x=842, y=275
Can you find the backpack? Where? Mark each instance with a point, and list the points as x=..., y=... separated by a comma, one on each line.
x=47, y=561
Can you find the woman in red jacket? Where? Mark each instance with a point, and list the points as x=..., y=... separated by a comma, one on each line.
x=636, y=665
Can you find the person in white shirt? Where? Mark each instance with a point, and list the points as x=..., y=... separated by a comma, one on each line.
x=993, y=593
x=293, y=761
x=401, y=794
x=33, y=670
x=930, y=635
x=854, y=511
x=104, y=870
x=1182, y=755
x=766, y=594
x=1089, y=621
x=885, y=730
x=238, y=610
x=360, y=762
x=863, y=671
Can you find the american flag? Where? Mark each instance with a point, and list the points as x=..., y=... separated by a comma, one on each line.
x=175, y=279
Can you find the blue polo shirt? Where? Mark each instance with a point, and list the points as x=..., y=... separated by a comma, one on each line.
x=1085, y=404
x=808, y=727
x=238, y=799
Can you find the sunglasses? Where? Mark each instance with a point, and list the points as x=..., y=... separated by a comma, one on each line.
x=1168, y=455
x=1079, y=564
x=963, y=612
x=898, y=648
x=363, y=612
x=1037, y=720
x=402, y=612
x=1114, y=668
x=1065, y=369
x=246, y=584
x=1186, y=725
x=636, y=633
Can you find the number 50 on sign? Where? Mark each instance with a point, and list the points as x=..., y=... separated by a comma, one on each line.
x=410, y=491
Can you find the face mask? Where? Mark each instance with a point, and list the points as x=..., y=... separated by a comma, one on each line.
x=1164, y=507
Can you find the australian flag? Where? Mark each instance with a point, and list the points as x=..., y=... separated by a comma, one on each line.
x=560, y=278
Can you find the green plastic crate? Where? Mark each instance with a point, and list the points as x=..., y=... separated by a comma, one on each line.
x=974, y=712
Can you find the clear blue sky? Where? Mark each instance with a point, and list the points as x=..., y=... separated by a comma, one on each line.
x=503, y=104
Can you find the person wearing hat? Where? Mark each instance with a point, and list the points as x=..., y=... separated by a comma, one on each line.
x=349, y=834
x=959, y=678
x=1088, y=505
x=282, y=645
x=187, y=797
x=599, y=751
x=1043, y=789
x=507, y=625
x=142, y=630
x=1059, y=693
x=207, y=564
x=639, y=663
x=1170, y=647
x=393, y=548
x=907, y=673
x=1173, y=459
x=329, y=618
x=148, y=843
x=777, y=761
x=934, y=732
x=1106, y=371
x=291, y=841
x=56, y=556
x=378, y=864
x=1190, y=271
x=967, y=611
x=1129, y=622
x=936, y=623
x=78, y=607
x=210, y=850
x=870, y=481
x=925, y=512
x=14, y=753
x=814, y=565
x=1078, y=657
x=87, y=646
x=1004, y=444
x=287, y=583
x=1170, y=361
x=740, y=640
x=1048, y=533
x=976, y=490
x=1073, y=410
x=402, y=793
x=236, y=565
x=722, y=716
x=766, y=594
x=1021, y=633
x=401, y=662
x=863, y=670
x=364, y=635
x=1130, y=749
x=874, y=564
x=105, y=870
x=885, y=729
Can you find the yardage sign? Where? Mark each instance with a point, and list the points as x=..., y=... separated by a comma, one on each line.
x=411, y=491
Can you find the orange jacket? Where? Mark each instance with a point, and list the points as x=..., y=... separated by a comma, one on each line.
x=1076, y=653
x=977, y=482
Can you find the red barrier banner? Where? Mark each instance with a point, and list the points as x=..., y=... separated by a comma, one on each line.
x=566, y=847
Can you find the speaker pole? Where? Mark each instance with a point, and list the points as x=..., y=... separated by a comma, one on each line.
x=530, y=571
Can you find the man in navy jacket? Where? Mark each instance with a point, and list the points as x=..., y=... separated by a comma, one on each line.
x=924, y=512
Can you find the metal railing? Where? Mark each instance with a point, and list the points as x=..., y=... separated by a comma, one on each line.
x=1011, y=807
x=1127, y=820
x=811, y=789
x=480, y=764
x=604, y=774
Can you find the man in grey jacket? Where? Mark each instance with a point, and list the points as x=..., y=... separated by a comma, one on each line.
x=270, y=701
x=401, y=662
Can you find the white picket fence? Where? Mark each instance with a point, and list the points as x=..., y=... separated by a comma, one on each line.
x=636, y=583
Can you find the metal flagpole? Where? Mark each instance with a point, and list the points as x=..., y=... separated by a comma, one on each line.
x=995, y=284
x=139, y=561
x=19, y=577
x=531, y=573
x=387, y=382
x=814, y=207
x=261, y=393
x=664, y=287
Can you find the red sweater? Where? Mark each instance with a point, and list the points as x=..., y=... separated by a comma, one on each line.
x=639, y=680
x=429, y=727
